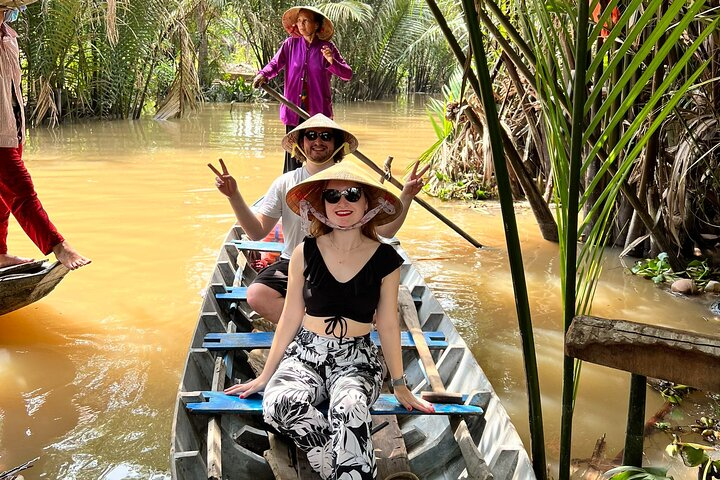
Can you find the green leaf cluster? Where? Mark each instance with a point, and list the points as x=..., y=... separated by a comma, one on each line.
x=659, y=270
x=97, y=59
x=708, y=428
x=695, y=455
x=637, y=473
x=674, y=392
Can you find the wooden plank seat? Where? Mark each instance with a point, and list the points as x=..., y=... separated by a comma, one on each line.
x=254, y=340
x=216, y=403
x=249, y=245
x=233, y=294
x=240, y=294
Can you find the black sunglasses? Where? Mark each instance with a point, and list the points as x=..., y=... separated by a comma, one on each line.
x=312, y=135
x=352, y=194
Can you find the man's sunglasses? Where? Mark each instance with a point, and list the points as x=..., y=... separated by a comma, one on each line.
x=351, y=194
x=312, y=135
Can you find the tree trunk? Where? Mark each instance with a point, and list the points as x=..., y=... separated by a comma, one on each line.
x=649, y=161
x=203, y=67
x=529, y=112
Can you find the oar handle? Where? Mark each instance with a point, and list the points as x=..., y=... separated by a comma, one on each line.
x=412, y=322
x=304, y=115
x=409, y=315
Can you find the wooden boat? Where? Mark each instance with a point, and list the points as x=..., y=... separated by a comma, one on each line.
x=23, y=284
x=214, y=436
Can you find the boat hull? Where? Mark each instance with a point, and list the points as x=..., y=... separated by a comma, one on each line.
x=433, y=452
x=24, y=284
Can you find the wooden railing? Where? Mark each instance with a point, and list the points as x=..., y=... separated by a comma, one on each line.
x=679, y=356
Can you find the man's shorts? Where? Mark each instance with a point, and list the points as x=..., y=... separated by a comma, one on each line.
x=275, y=276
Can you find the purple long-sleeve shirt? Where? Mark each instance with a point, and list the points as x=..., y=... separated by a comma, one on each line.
x=306, y=62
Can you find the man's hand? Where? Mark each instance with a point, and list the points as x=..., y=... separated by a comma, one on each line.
x=415, y=182
x=224, y=181
x=258, y=80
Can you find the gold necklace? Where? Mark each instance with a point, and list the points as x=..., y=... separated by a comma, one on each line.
x=354, y=247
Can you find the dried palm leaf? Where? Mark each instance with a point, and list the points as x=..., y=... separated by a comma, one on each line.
x=184, y=92
x=46, y=103
x=687, y=173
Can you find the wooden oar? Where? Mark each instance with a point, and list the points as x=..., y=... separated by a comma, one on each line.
x=476, y=466
x=304, y=115
x=409, y=315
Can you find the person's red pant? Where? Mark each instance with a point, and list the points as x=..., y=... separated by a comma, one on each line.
x=17, y=195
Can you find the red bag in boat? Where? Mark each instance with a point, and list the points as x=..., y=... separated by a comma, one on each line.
x=266, y=258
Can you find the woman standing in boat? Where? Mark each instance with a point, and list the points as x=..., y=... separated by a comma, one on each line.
x=17, y=192
x=339, y=278
x=309, y=59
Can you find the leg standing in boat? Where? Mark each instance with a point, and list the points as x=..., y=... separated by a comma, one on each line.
x=17, y=193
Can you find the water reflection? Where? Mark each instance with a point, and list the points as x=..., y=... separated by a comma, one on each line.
x=90, y=373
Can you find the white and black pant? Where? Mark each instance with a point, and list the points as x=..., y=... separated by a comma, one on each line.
x=346, y=372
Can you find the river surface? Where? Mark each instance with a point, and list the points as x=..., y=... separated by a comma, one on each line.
x=88, y=375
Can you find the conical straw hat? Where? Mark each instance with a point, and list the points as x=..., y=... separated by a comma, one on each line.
x=289, y=19
x=317, y=121
x=347, y=170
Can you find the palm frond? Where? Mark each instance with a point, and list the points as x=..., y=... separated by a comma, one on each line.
x=184, y=93
x=347, y=11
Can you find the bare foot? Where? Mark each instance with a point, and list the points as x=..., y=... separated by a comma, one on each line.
x=69, y=257
x=9, y=260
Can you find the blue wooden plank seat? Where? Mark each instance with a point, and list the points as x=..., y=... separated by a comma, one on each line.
x=233, y=294
x=240, y=294
x=250, y=245
x=253, y=340
x=216, y=403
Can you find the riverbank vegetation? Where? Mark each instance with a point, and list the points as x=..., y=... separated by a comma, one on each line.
x=117, y=59
x=604, y=104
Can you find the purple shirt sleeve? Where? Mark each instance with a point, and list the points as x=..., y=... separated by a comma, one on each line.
x=278, y=62
x=305, y=64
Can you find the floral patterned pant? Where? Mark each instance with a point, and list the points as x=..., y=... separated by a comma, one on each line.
x=349, y=374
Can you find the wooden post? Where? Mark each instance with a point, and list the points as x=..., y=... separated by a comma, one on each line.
x=645, y=351
x=634, y=435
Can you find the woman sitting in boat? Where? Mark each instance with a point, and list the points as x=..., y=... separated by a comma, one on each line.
x=340, y=278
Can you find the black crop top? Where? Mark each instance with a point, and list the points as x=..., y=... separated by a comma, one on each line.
x=356, y=299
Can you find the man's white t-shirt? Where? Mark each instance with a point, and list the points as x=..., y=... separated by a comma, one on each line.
x=274, y=206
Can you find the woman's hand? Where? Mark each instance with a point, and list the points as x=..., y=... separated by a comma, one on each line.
x=248, y=388
x=258, y=80
x=410, y=401
x=327, y=53
x=415, y=182
x=223, y=180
